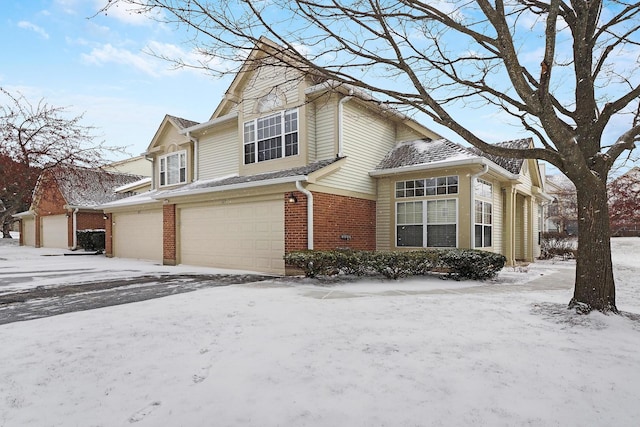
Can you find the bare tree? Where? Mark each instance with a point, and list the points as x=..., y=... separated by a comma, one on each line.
x=35, y=138
x=624, y=204
x=563, y=71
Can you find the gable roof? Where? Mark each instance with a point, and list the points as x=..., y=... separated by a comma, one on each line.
x=89, y=188
x=178, y=122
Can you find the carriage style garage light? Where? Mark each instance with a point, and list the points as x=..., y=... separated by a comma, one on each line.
x=293, y=198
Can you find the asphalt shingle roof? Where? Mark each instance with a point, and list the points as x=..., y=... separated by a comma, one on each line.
x=221, y=182
x=183, y=123
x=90, y=187
x=422, y=152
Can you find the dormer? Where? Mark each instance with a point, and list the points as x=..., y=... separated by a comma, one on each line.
x=172, y=154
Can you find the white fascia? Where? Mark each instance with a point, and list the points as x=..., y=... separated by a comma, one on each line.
x=207, y=125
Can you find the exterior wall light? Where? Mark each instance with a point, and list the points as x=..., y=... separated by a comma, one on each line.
x=293, y=198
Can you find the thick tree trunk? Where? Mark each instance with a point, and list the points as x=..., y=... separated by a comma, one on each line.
x=594, y=286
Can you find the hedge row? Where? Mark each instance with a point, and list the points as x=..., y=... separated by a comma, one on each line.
x=455, y=263
x=91, y=240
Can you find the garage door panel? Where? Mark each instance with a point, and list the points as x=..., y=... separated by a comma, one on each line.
x=138, y=235
x=29, y=231
x=55, y=231
x=243, y=236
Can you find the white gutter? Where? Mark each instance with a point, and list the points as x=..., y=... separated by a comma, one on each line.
x=309, y=213
x=210, y=123
x=196, y=155
x=341, y=122
x=75, y=229
x=472, y=208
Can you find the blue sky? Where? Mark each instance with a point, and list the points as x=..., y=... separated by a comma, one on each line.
x=97, y=66
x=55, y=50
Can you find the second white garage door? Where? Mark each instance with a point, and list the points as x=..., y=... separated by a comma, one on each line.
x=246, y=236
x=138, y=235
x=54, y=231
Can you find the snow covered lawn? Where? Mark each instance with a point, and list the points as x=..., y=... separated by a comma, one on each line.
x=424, y=352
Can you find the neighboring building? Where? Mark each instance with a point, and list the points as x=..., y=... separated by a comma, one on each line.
x=562, y=213
x=139, y=165
x=66, y=200
x=289, y=162
x=624, y=204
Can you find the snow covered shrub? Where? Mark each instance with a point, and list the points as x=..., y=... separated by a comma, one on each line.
x=555, y=244
x=91, y=240
x=459, y=263
x=472, y=264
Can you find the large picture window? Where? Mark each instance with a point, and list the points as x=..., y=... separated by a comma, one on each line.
x=271, y=137
x=427, y=223
x=173, y=168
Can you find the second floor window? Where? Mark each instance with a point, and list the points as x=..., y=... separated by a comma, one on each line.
x=271, y=137
x=173, y=168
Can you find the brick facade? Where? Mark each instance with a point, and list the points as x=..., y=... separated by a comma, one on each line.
x=338, y=222
x=169, y=235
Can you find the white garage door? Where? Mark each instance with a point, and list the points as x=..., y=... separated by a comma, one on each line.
x=29, y=231
x=138, y=235
x=245, y=236
x=54, y=231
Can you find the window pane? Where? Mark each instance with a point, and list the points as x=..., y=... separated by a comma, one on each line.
x=410, y=235
x=478, y=236
x=291, y=144
x=487, y=236
x=441, y=236
x=250, y=153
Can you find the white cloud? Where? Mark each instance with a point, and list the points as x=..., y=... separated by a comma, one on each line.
x=33, y=27
x=110, y=54
x=128, y=14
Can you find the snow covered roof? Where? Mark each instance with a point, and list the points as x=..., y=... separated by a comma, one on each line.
x=263, y=178
x=427, y=152
x=90, y=187
x=510, y=164
x=139, y=183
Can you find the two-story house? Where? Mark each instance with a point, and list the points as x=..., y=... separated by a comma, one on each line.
x=290, y=162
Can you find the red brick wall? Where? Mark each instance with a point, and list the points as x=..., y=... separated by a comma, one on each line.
x=90, y=221
x=169, y=234
x=108, y=236
x=49, y=200
x=334, y=216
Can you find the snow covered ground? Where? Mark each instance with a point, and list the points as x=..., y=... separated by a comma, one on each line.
x=420, y=352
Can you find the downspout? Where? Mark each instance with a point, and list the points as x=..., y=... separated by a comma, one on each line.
x=75, y=229
x=309, y=196
x=340, y=121
x=472, y=206
x=195, y=155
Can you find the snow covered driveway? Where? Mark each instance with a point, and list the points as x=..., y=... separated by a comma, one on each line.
x=423, y=352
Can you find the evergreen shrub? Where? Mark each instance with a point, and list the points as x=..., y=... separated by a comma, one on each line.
x=456, y=263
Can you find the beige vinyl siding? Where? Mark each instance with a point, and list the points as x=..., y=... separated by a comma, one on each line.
x=383, y=215
x=282, y=81
x=325, y=132
x=310, y=118
x=536, y=229
x=405, y=133
x=367, y=139
x=218, y=153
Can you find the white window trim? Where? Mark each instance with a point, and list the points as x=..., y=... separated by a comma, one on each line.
x=164, y=158
x=283, y=135
x=424, y=222
x=483, y=224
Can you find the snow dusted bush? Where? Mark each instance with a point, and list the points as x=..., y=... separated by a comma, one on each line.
x=555, y=244
x=456, y=263
x=91, y=240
